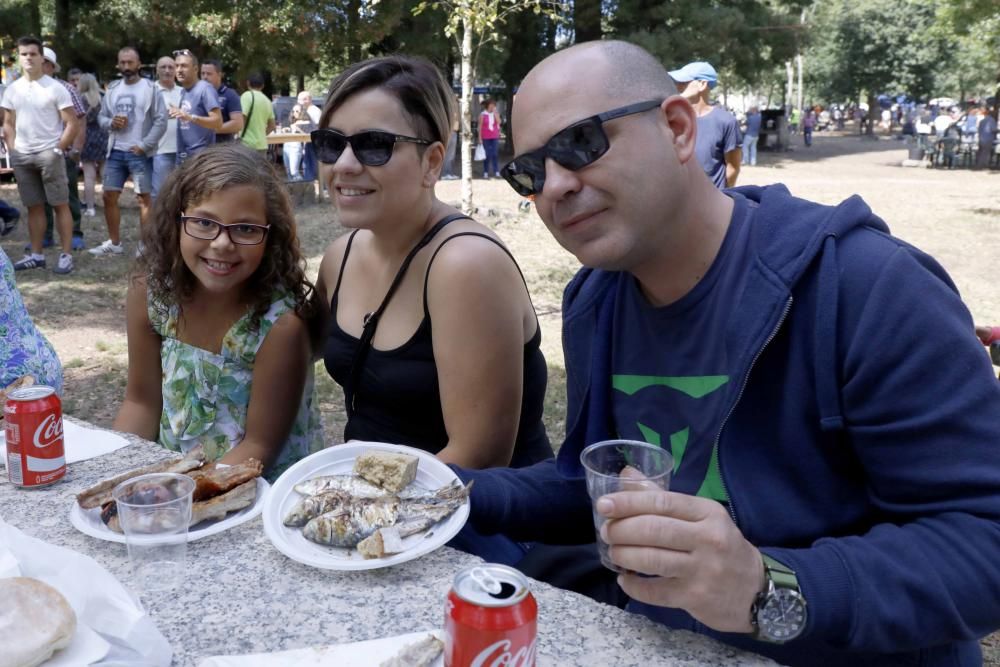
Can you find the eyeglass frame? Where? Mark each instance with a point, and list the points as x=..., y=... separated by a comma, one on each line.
x=347, y=139
x=182, y=52
x=219, y=227
x=538, y=184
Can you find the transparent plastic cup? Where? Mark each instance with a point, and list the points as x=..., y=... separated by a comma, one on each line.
x=155, y=511
x=644, y=466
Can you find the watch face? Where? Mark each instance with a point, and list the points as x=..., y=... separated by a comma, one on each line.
x=783, y=615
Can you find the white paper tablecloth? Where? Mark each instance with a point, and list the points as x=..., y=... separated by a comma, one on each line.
x=81, y=443
x=369, y=653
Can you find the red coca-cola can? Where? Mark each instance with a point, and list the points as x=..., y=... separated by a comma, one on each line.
x=491, y=619
x=34, y=431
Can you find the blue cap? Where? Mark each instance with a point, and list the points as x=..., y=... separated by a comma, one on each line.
x=696, y=71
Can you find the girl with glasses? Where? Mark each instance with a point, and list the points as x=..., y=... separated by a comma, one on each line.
x=431, y=330
x=219, y=313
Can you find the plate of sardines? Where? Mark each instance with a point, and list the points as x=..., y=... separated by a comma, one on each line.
x=364, y=505
x=224, y=496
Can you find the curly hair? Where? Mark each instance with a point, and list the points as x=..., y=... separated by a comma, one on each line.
x=282, y=270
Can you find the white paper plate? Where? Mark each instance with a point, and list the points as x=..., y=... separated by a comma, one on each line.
x=89, y=521
x=355, y=654
x=432, y=474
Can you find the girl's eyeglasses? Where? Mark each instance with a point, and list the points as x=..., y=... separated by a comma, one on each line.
x=240, y=233
x=574, y=147
x=373, y=148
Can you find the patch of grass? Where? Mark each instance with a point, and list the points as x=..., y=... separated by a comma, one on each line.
x=102, y=346
x=75, y=362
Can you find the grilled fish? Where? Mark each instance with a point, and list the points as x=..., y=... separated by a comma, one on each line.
x=352, y=485
x=328, y=501
x=357, y=518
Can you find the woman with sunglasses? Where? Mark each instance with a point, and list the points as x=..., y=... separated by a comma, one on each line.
x=218, y=315
x=431, y=331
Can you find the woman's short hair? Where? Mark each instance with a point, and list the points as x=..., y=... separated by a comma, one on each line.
x=417, y=84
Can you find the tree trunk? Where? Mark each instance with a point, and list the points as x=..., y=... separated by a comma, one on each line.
x=872, y=113
x=63, y=25
x=353, y=47
x=35, y=16
x=466, y=144
x=586, y=20
x=300, y=82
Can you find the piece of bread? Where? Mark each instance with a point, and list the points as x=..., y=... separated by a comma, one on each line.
x=35, y=622
x=389, y=470
x=23, y=381
x=383, y=542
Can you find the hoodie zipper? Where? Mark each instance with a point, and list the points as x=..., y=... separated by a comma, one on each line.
x=746, y=378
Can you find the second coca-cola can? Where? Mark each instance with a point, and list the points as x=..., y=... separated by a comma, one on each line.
x=33, y=428
x=491, y=619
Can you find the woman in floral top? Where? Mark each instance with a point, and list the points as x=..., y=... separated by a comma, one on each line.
x=23, y=348
x=219, y=315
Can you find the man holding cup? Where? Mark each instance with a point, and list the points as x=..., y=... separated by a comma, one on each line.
x=833, y=424
x=135, y=117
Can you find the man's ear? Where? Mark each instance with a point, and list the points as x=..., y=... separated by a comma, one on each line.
x=681, y=119
x=433, y=162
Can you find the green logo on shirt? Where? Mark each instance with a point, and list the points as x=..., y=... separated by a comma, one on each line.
x=695, y=387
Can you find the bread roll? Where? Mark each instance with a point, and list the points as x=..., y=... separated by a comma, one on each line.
x=35, y=622
x=389, y=470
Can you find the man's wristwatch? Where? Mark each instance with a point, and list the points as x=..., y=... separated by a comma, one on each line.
x=58, y=151
x=779, y=612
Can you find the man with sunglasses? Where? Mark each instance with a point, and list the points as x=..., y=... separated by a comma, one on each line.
x=199, y=115
x=833, y=426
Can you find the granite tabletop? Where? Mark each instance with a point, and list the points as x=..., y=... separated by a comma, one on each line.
x=244, y=596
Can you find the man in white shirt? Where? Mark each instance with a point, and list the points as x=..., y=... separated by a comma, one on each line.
x=40, y=126
x=135, y=116
x=166, y=152
x=305, y=100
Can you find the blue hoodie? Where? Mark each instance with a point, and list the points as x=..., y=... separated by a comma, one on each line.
x=863, y=450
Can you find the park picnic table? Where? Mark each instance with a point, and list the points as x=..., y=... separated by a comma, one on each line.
x=287, y=137
x=245, y=597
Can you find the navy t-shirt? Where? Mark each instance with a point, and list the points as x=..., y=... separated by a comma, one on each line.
x=229, y=101
x=197, y=101
x=671, y=377
x=718, y=133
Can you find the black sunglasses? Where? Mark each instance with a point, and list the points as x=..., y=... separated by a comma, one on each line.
x=182, y=52
x=373, y=148
x=240, y=233
x=574, y=148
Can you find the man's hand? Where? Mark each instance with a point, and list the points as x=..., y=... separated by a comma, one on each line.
x=138, y=151
x=699, y=558
x=118, y=122
x=177, y=112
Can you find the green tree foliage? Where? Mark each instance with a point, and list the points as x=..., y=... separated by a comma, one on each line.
x=875, y=48
x=976, y=23
x=744, y=39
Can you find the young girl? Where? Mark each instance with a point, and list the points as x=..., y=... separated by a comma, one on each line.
x=95, y=146
x=218, y=310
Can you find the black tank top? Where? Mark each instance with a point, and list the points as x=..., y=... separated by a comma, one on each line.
x=400, y=398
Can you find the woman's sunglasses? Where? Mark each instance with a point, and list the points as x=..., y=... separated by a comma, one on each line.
x=574, y=148
x=373, y=148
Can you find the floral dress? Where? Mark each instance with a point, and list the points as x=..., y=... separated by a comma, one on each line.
x=95, y=146
x=23, y=348
x=206, y=395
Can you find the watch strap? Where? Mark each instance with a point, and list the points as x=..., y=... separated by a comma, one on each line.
x=782, y=575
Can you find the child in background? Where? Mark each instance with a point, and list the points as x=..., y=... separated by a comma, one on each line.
x=489, y=134
x=219, y=313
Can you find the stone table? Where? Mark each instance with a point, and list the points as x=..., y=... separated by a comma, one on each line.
x=244, y=596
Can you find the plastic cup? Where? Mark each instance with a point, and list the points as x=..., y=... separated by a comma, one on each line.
x=604, y=462
x=155, y=511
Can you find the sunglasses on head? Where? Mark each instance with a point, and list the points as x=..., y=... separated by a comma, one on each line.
x=372, y=148
x=574, y=147
x=182, y=52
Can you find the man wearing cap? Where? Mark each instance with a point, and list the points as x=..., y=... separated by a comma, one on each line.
x=50, y=64
x=134, y=115
x=717, y=143
x=40, y=125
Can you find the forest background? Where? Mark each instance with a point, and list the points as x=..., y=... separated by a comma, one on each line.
x=851, y=50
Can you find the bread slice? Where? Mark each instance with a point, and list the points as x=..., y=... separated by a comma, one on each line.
x=35, y=622
x=383, y=542
x=390, y=470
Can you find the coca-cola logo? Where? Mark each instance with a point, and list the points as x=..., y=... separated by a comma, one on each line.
x=499, y=655
x=48, y=432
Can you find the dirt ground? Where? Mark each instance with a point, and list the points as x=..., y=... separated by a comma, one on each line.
x=953, y=215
